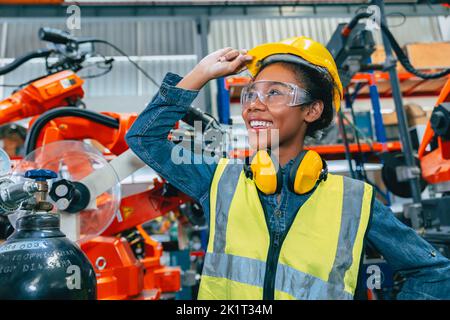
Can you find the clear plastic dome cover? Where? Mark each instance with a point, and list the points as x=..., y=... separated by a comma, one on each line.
x=73, y=161
x=5, y=163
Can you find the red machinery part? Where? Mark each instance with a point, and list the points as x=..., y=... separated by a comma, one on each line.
x=435, y=165
x=168, y=279
x=119, y=274
x=145, y=206
x=60, y=89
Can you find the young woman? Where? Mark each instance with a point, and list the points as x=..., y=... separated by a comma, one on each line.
x=291, y=231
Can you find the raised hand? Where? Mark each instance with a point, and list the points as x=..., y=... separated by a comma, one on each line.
x=221, y=63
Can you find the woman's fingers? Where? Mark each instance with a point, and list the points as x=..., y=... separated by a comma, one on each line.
x=232, y=55
x=240, y=62
x=248, y=58
x=221, y=63
x=224, y=62
x=222, y=52
x=229, y=55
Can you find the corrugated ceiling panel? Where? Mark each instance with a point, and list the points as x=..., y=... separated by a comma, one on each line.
x=318, y=29
x=173, y=37
x=22, y=36
x=247, y=33
x=123, y=80
x=2, y=39
x=121, y=33
x=135, y=37
x=415, y=29
x=178, y=37
x=236, y=33
x=444, y=24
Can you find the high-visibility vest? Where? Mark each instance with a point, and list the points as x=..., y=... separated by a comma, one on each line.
x=319, y=258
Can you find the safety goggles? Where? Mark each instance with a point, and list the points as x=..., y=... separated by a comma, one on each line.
x=274, y=94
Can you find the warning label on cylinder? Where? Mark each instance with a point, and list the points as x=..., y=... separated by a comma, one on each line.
x=19, y=260
x=24, y=245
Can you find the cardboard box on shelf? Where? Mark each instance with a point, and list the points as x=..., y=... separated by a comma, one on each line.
x=431, y=55
x=390, y=122
x=422, y=55
x=416, y=115
x=379, y=56
x=389, y=118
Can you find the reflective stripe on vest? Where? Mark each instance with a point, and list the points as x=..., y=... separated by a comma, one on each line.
x=319, y=258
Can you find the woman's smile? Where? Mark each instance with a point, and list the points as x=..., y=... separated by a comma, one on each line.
x=260, y=124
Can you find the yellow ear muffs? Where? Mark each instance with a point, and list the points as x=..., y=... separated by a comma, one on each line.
x=264, y=172
x=307, y=169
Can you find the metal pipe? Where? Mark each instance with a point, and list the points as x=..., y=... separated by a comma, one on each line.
x=348, y=155
x=402, y=121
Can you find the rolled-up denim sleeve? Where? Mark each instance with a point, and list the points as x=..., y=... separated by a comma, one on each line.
x=426, y=271
x=148, y=138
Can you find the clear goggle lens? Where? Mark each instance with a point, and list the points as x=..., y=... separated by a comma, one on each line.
x=274, y=93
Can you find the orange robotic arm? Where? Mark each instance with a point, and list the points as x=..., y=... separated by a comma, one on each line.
x=436, y=163
x=60, y=89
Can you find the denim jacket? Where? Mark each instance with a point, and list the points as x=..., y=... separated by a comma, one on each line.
x=426, y=271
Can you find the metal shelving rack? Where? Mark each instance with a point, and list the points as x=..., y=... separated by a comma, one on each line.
x=411, y=86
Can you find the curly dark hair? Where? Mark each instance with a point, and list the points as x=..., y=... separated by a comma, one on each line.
x=320, y=85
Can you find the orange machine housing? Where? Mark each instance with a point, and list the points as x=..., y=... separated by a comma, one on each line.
x=57, y=90
x=119, y=274
x=76, y=128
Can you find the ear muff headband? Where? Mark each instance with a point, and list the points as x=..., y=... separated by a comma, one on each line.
x=308, y=169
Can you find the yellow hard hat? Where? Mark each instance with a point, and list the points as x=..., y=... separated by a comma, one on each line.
x=310, y=51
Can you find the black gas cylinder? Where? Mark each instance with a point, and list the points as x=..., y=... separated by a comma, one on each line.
x=38, y=262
